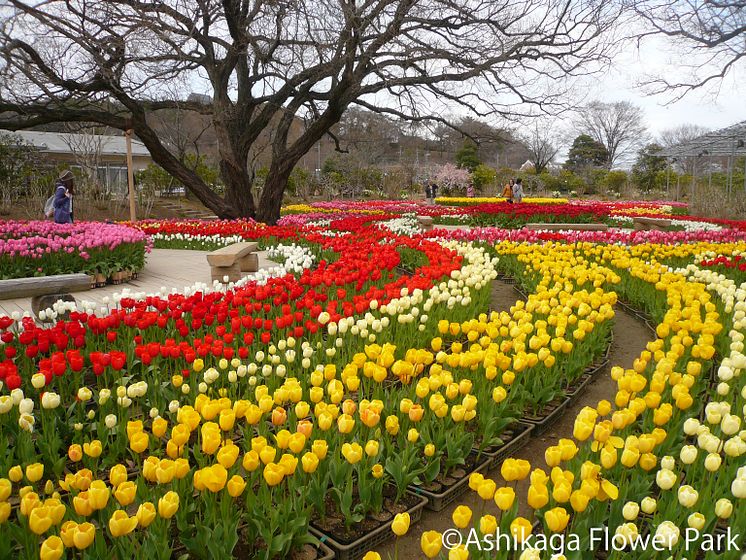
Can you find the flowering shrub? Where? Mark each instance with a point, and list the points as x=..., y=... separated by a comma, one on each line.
x=45, y=248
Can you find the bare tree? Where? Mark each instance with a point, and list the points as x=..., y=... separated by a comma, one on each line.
x=619, y=126
x=85, y=145
x=680, y=134
x=542, y=143
x=273, y=62
x=710, y=34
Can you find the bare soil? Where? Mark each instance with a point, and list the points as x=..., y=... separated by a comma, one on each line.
x=630, y=338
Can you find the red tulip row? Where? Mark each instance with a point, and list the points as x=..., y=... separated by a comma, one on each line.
x=175, y=330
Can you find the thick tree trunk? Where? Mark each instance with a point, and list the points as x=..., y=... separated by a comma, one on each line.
x=274, y=189
x=191, y=181
x=238, y=197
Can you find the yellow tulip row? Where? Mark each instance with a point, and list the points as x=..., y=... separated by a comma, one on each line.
x=653, y=399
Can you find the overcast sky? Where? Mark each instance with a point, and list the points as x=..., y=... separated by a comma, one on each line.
x=714, y=108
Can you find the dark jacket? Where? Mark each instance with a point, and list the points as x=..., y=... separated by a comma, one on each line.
x=63, y=209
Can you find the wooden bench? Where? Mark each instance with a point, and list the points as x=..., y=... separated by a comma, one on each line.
x=644, y=223
x=233, y=260
x=426, y=222
x=556, y=227
x=44, y=291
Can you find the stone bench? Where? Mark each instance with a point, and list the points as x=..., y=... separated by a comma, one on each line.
x=426, y=222
x=643, y=223
x=556, y=227
x=233, y=260
x=44, y=291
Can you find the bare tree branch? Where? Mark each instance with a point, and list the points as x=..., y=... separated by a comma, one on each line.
x=710, y=36
x=266, y=63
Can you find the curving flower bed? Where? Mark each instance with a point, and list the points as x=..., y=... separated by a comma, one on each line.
x=239, y=421
x=44, y=248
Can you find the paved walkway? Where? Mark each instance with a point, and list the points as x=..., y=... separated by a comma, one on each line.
x=165, y=270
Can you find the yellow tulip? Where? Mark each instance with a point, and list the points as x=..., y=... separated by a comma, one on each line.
x=236, y=486
x=353, y=452
x=67, y=533
x=400, y=525
x=297, y=442
x=34, y=472
x=267, y=454
x=75, y=452
x=557, y=519
x=227, y=455
x=486, y=490
x=310, y=462
x=214, y=477
x=139, y=442
x=15, y=474
x=117, y=475
x=320, y=448
x=52, y=548
x=377, y=470
x=371, y=448
x=145, y=514
x=520, y=528
x=273, y=474
x=121, y=524
x=431, y=542
x=40, y=520
x=504, y=498
x=579, y=501
x=83, y=535
x=168, y=505
x=538, y=496
x=461, y=516
x=125, y=493
x=98, y=494
x=488, y=524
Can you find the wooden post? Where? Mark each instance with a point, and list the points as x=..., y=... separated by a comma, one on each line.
x=130, y=176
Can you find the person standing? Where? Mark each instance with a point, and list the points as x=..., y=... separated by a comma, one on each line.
x=518, y=190
x=507, y=193
x=63, y=198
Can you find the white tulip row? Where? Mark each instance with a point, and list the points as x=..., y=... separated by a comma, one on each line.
x=296, y=259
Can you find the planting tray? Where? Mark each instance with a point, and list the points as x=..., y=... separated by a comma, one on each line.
x=541, y=425
x=324, y=552
x=357, y=549
x=521, y=435
x=438, y=502
x=573, y=394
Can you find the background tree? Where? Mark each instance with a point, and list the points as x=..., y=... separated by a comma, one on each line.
x=586, y=152
x=648, y=167
x=680, y=135
x=452, y=179
x=466, y=157
x=483, y=176
x=292, y=67
x=710, y=36
x=619, y=126
x=542, y=145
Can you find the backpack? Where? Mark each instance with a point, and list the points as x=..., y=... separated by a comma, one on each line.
x=49, y=207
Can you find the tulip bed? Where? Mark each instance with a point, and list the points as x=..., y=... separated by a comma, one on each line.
x=45, y=248
x=254, y=420
x=666, y=456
